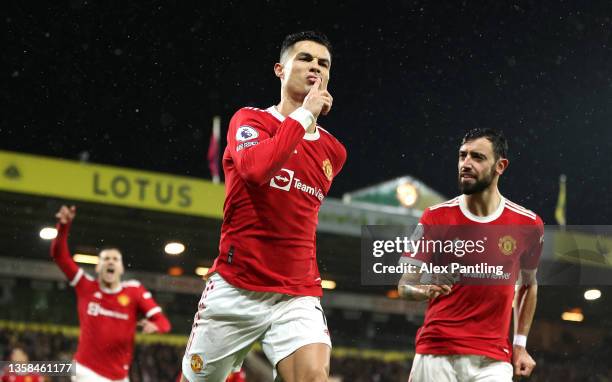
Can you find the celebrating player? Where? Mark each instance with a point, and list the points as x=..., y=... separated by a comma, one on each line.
x=108, y=309
x=279, y=165
x=465, y=333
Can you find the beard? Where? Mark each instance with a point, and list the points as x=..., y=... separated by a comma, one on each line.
x=478, y=186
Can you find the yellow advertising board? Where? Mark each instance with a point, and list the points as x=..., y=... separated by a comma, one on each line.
x=37, y=175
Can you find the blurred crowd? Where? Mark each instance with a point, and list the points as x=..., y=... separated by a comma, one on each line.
x=158, y=362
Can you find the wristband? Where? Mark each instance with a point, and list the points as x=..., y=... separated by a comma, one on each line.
x=520, y=340
x=303, y=116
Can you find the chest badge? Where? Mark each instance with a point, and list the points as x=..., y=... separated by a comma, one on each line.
x=507, y=244
x=328, y=170
x=123, y=300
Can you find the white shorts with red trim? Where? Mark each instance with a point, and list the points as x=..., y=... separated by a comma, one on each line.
x=229, y=320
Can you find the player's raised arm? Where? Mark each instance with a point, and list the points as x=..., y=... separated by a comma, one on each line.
x=258, y=155
x=155, y=320
x=59, y=246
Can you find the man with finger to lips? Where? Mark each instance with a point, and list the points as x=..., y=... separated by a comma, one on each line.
x=265, y=284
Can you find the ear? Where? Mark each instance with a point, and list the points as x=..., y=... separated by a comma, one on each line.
x=279, y=70
x=98, y=266
x=501, y=166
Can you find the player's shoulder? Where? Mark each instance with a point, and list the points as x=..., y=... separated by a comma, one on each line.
x=442, y=208
x=82, y=278
x=332, y=139
x=131, y=284
x=327, y=135
x=251, y=112
x=521, y=214
x=251, y=119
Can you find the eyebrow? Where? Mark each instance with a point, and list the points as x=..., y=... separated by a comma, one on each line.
x=474, y=153
x=310, y=56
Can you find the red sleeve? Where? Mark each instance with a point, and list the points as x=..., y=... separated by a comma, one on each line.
x=62, y=257
x=531, y=258
x=256, y=153
x=153, y=312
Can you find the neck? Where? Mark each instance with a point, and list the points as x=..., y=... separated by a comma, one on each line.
x=111, y=286
x=483, y=203
x=288, y=104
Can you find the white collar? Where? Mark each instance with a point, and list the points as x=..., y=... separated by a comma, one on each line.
x=308, y=136
x=110, y=291
x=481, y=219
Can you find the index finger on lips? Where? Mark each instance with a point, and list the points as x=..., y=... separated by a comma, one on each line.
x=316, y=86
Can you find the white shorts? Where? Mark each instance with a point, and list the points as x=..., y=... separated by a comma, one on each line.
x=459, y=368
x=229, y=320
x=85, y=374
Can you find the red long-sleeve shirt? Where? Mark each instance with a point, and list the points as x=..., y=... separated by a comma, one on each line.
x=276, y=177
x=108, y=317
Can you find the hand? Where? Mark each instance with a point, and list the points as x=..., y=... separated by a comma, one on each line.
x=318, y=100
x=147, y=326
x=65, y=215
x=441, y=284
x=522, y=361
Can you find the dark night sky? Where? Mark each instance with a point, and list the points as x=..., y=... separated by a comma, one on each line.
x=137, y=86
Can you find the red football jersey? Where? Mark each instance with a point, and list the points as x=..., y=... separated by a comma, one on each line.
x=475, y=319
x=276, y=177
x=107, y=317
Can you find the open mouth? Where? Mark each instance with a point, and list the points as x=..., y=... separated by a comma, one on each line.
x=110, y=271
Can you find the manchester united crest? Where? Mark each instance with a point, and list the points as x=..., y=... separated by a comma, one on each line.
x=123, y=299
x=507, y=244
x=328, y=169
x=196, y=363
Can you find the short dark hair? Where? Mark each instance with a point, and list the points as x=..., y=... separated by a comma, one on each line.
x=496, y=137
x=110, y=248
x=317, y=37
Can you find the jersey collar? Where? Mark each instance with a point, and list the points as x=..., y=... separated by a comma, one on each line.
x=308, y=136
x=111, y=291
x=481, y=219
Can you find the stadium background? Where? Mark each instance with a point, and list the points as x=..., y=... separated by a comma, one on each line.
x=137, y=86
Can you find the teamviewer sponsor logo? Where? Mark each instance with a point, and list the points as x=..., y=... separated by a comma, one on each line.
x=282, y=180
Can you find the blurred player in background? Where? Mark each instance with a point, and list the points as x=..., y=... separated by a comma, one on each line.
x=279, y=165
x=18, y=355
x=108, y=309
x=465, y=333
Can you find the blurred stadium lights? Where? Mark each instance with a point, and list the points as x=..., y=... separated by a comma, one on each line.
x=48, y=233
x=574, y=315
x=407, y=194
x=85, y=259
x=174, y=248
x=592, y=294
x=328, y=284
x=201, y=271
x=404, y=192
x=393, y=293
x=175, y=271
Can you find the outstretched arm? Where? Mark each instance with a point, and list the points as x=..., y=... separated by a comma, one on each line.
x=59, y=246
